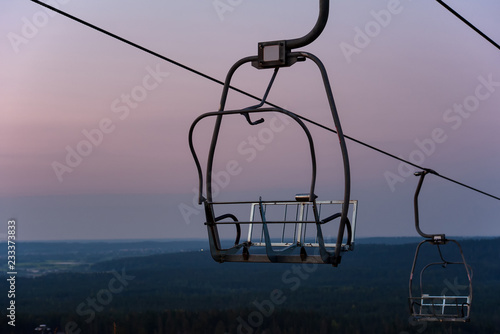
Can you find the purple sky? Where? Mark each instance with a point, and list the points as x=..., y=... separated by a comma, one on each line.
x=418, y=84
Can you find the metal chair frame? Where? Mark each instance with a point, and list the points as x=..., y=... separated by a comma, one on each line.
x=275, y=55
x=441, y=308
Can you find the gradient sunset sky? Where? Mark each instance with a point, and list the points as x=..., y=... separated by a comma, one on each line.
x=417, y=83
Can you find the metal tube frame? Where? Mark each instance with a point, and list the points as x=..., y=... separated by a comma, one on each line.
x=291, y=58
x=324, y=10
x=417, y=302
x=437, y=240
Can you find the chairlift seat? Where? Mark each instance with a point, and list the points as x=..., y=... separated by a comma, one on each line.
x=275, y=248
x=426, y=306
x=282, y=231
x=440, y=307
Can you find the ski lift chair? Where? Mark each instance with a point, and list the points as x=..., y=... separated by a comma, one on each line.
x=289, y=231
x=293, y=243
x=434, y=296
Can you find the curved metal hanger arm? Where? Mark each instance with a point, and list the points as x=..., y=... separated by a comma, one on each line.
x=436, y=238
x=324, y=9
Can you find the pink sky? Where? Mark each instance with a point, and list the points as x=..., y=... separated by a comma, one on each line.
x=61, y=81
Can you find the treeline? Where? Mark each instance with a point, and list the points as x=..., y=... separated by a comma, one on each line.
x=236, y=321
x=190, y=293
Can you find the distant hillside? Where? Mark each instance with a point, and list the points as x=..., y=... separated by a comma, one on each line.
x=409, y=240
x=38, y=258
x=191, y=293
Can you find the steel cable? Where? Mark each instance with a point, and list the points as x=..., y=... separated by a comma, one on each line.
x=451, y=10
x=259, y=99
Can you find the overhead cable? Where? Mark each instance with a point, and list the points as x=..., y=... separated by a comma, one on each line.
x=250, y=95
x=140, y=47
x=468, y=23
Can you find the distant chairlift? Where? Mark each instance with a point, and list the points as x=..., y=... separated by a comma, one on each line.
x=440, y=285
x=279, y=231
